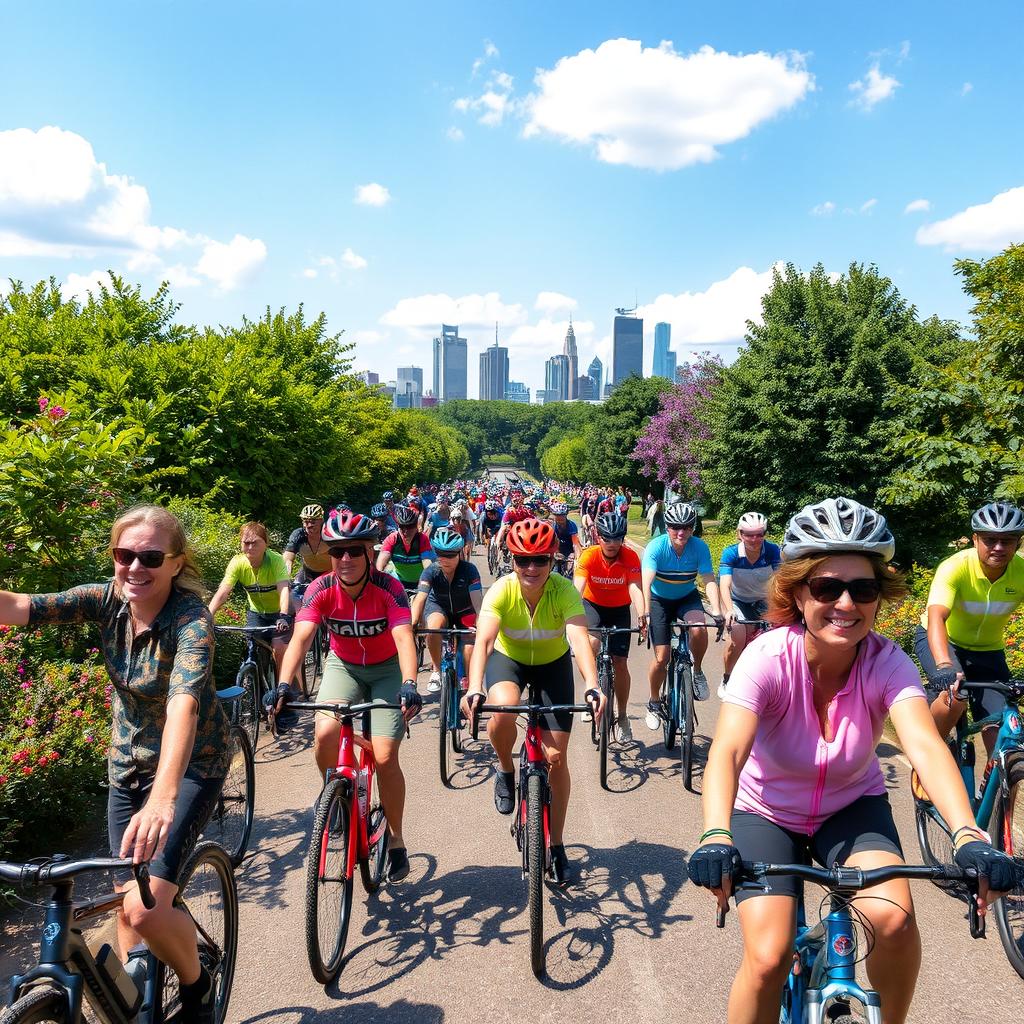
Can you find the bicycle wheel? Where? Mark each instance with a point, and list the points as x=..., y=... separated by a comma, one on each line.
x=312, y=665
x=421, y=652
x=686, y=726
x=492, y=560
x=328, y=888
x=46, y=1003
x=249, y=704
x=936, y=843
x=604, y=729
x=1008, y=836
x=535, y=869
x=208, y=895
x=371, y=870
x=670, y=709
x=231, y=823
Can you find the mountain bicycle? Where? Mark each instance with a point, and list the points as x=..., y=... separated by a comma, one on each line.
x=68, y=971
x=257, y=676
x=531, y=821
x=823, y=980
x=450, y=720
x=349, y=826
x=600, y=732
x=1000, y=808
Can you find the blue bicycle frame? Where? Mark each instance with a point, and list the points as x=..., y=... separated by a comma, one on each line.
x=452, y=713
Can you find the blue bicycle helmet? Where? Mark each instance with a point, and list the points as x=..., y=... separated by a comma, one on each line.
x=448, y=541
x=379, y=511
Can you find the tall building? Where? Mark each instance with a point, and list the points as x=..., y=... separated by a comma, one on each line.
x=409, y=388
x=556, y=378
x=627, y=346
x=586, y=391
x=517, y=392
x=369, y=378
x=664, y=358
x=449, y=365
x=569, y=351
x=595, y=372
x=493, y=370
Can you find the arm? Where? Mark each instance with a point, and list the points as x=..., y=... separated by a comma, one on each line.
x=579, y=580
x=646, y=579
x=289, y=561
x=406, y=644
x=284, y=597
x=223, y=593
x=14, y=608
x=382, y=560
x=577, y=634
x=725, y=584
x=710, y=582
x=945, y=712
x=476, y=597
x=418, y=602
x=487, y=627
x=636, y=595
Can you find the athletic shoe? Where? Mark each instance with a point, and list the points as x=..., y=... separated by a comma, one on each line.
x=701, y=690
x=655, y=711
x=434, y=683
x=721, y=691
x=504, y=791
x=398, y=864
x=623, y=731
x=587, y=716
x=560, y=870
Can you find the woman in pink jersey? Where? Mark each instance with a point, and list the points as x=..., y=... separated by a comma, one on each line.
x=793, y=774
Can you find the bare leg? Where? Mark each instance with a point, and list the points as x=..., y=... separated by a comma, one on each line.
x=168, y=932
x=392, y=785
x=555, y=745
x=768, y=924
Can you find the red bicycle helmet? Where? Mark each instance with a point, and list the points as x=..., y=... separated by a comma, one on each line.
x=349, y=526
x=532, y=537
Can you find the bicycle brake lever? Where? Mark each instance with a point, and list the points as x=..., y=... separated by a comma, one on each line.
x=974, y=918
x=720, y=913
x=141, y=872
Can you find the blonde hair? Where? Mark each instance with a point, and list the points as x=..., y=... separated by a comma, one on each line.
x=189, y=579
x=255, y=528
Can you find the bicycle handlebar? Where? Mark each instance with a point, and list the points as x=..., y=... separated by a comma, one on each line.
x=345, y=710
x=517, y=709
x=55, y=870
x=1008, y=687
x=720, y=626
x=245, y=629
x=424, y=631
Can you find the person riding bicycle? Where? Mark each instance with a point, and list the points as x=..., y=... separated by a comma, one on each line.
x=528, y=621
x=743, y=575
x=566, y=531
x=372, y=657
x=438, y=515
x=169, y=751
x=960, y=637
x=386, y=524
x=607, y=577
x=407, y=549
x=448, y=597
x=793, y=773
x=490, y=521
x=306, y=543
x=670, y=567
x=515, y=512
x=458, y=524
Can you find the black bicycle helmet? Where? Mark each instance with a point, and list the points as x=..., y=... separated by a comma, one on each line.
x=998, y=517
x=679, y=513
x=404, y=515
x=611, y=526
x=343, y=526
x=379, y=511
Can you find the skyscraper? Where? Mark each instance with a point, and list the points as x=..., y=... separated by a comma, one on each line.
x=517, y=392
x=585, y=390
x=493, y=370
x=595, y=373
x=409, y=388
x=627, y=346
x=569, y=351
x=556, y=378
x=664, y=357
x=449, y=365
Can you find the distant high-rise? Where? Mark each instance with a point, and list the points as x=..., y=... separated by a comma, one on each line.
x=664, y=357
x=493, y=370
x=369, y=378
x=627, y=347
x=595, y=373
x=586, y=390
x=556, y=378
x=449, y=365
x=409, y=388
x=517, y=392
x=569, y=351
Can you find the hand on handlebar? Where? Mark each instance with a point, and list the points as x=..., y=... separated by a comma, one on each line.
x=597, y=701
x=470, y=705
x=997, y=873
x=643, y=623
x=410, y=700
x=716, y=866
x=949, y=679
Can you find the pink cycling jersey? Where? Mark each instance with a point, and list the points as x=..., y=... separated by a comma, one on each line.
x=360, y=630
x=794, y=777
x=516, y=514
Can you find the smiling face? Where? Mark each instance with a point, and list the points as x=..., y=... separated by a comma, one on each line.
x=533, y=576
x=137, y=583
x=996, y=549
x=843, y=623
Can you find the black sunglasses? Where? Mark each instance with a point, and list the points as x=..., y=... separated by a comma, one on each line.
x=151, y=558
x=830, y=588
x=526, y=560
x=350, y=551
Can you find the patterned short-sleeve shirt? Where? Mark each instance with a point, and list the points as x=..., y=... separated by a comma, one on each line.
x=173, y=656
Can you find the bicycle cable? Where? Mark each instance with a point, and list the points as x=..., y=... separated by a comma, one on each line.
x=859, y=918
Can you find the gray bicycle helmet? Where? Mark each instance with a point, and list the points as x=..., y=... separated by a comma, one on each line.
x=680, y=513
x=404, y=515
x=611, y=526
x=447, y=540
x=559, y=508
x=838, y=524
x=998, y=517
x=343, y=526
x=379, y=511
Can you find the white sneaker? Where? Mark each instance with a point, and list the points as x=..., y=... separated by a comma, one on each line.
x=653, y=716
x=721, y=691
x=434, y=683
x=623, y=731
x=701, y=690
x=587, y=716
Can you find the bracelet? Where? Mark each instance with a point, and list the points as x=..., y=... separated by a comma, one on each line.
x=972, y=831
x=715, y=832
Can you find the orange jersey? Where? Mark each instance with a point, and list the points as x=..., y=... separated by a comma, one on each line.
x=607, y=583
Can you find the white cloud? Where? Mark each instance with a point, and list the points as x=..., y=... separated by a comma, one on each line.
x=455, y=134
x=353, y=260
x=79, y=286
x=309, y=272
x=430, y=311
x=546, y=337
x=966, y=88
x=179, y=276
x=918, y=206
x=987, y=227
x=554, y=302
x=825, y=209
x=5, y=287
x=490, y=51
x=493, y=103
x=656, y=108
x=868, y=205
x=874, y=87
x=372, y=195
x=233, y=263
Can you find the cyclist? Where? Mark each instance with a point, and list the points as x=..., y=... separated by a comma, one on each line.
x=528, y=621
x=306, y=543
x=793, y=772
x=588, y=510
x=743, y=573
x=407, y=549
x=608, y=579
x=490, y=521
x=169, y=750
x=448, y=597
x=567, y=533
x=386, y=524
x=669, y=568
x=372, y=657
x=457, y=524
x=438, y=515
x=515, y=512
x=972, y=595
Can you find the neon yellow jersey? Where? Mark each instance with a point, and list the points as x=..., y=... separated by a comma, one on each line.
x=978, y=609
x=260, y=585
x=536, y=639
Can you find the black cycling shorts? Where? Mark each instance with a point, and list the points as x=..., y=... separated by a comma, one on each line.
x=463, y=618
x=551, y=684
x=749, y=611
x=602, y=615
x=977, y=666
x=665, y=611
x=866, y=824
x=264, y=619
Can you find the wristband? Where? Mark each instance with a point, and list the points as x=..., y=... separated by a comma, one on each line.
x=974, y=833
x=715, y=832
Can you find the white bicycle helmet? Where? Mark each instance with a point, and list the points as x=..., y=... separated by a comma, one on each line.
x=679, y=513
x=838, y=524
x=752, y=521
x=998, y=517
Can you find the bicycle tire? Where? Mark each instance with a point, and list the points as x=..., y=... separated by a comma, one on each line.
x=231, y=822
x=604, y=729
x=444, y=728
x=936, y=843
x=421, y=652
x=36, y=1006
x=1008, y=837
x=670, y=721
x=686, y=728
x=328, y=893
x=371, y=870
x=492, y=560
x=535, y=869
x=207, y=893
x=249, y=705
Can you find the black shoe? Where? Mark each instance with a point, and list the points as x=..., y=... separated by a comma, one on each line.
x=504, y=792
x=398, y=864
x=560, y=870
x=198, y=1001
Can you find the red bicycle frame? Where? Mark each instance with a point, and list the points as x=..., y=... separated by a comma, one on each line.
x=532, y=760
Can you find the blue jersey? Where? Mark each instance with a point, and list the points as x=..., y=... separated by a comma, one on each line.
x=565, y=535
x=750, y=579
x=675, y=575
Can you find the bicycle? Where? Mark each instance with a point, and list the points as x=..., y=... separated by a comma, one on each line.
x=600, y=733
x=492, y=556
x=450, y=718
x=823, y=979
x=68, y=971
x=349, y=826
x=531, y=823
x=1001, y=805
x=312, y=669
x=257, y=676
x=422, y=655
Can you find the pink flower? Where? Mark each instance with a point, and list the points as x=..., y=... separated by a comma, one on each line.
x=30, y=721
x=56, y=413
x=26, y=770
x=26, y=685
x=77, y=713
x=44, y=760
x=20, y=755
x=43, y=403
x=3, y=780
x=53, y=755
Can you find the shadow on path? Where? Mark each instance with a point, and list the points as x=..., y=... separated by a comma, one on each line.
x=402, y=1012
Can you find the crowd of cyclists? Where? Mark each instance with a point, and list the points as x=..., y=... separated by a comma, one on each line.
x=792, y=772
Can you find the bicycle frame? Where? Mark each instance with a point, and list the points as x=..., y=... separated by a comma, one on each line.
x=451, y=661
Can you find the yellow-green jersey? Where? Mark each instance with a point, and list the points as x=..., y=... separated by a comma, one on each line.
x=260, y=584
x=978, y=609
x=536, y=639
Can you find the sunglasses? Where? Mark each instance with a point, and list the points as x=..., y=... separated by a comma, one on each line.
x=678, y=529
x=347, y=552
x=448, y=554
x=830, y=588
x=523, y=561
x=994, y=540
x=151, y=558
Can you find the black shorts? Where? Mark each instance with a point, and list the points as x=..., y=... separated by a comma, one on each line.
x=665, y=611
x=750, y=611
x=602, y=615
x=866, y=824
x=463, y=619
x=197, y=799
x=977, y=666
x=254, y=619
x=550, y=684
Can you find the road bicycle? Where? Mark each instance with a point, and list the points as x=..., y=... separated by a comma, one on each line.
x=823, y=981
x=492, y=555
x=600, y=732
x=312, y=669
x=999, y=809
x=450, y=720
x=349, y=827
x=422, y=655
x=68, y=971
x=531, y=821
x=257, y=676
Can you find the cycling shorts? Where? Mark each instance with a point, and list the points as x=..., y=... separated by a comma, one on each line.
x=751, y=611
x=551, y=684
x=490, y=527
x=977, y=666
x=355, y=684
x=602, y=615
x=255, y=619
x=866, y=824
x=665, y=611
x=463, y=618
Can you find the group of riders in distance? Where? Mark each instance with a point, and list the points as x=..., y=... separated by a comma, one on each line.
x=808, y=684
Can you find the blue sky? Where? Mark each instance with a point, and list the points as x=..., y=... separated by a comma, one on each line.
x=398, y=165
